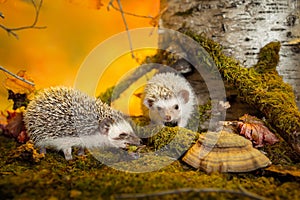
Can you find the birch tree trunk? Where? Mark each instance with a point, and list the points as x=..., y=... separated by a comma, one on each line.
x=243, y=27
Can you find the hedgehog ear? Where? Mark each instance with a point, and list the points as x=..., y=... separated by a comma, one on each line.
x=148, y=103
x=185, y=95
x=105, y=125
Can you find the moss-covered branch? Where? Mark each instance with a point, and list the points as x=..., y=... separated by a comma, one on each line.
x=114, y=92
x=260, y=86
x=242, y=192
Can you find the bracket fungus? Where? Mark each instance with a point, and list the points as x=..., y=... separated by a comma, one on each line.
x=225, y=152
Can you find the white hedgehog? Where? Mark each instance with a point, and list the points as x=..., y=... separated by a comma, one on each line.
x=62, y=118
x=170, y=99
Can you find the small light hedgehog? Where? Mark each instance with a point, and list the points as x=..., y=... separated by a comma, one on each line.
x=170, y=99
x=62, y=118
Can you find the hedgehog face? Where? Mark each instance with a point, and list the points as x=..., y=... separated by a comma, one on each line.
x=120, y=134
x=168, y=111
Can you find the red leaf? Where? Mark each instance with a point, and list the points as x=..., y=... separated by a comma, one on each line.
x=253, y=129
x=22, y=137
x=15, y=127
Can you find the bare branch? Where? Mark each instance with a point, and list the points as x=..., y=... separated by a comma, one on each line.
x=37, y=9
x=16, y=76
x=126, y=27
x=242, y=192
x=110, y=4
x=153, y=22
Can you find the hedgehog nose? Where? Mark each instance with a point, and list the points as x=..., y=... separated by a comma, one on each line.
x=167, y=117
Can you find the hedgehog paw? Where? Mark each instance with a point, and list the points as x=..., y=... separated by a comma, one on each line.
x=81, y=151
x=68, y=153
x=43, y=150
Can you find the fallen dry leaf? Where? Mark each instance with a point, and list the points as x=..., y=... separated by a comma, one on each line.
x=18, y=86
x=26, y=152
x=15, y=127
x=255, y=130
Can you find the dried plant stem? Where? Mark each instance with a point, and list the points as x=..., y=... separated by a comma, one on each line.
x=16, y=76
x=242, y=192
x=127, y=13
x=37, y=8
x=126, y=27
x=154, y=20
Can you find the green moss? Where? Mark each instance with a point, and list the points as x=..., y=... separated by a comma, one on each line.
x=140, y=120
x=106, y=96
x=173, y=141
x=167, y=141
x=268, y=57
x=149, y=162
x=204, y=116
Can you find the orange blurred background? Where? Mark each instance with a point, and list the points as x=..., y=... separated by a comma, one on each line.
x=52, y=56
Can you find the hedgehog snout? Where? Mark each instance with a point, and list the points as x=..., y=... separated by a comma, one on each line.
x=134, y=140
x=168, y=118
x=131, y=140
x=121, y=135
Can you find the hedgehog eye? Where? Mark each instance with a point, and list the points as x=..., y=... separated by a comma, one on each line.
x=176, y=107
x=123, y=135
x=159, y=108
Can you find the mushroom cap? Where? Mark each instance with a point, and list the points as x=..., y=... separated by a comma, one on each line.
x=225, y=152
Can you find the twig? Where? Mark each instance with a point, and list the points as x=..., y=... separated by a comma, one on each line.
x=16, y=76
x=250, y=194
x=125, y=23
x=242, y=192
x=110, y=4
x=33, y=25
x=123, y=13
x=154, y=20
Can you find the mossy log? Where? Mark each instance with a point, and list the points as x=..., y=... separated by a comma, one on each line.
x=260, y=86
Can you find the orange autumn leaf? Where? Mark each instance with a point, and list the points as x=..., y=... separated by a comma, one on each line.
x=18, y=86
x=93, y=4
